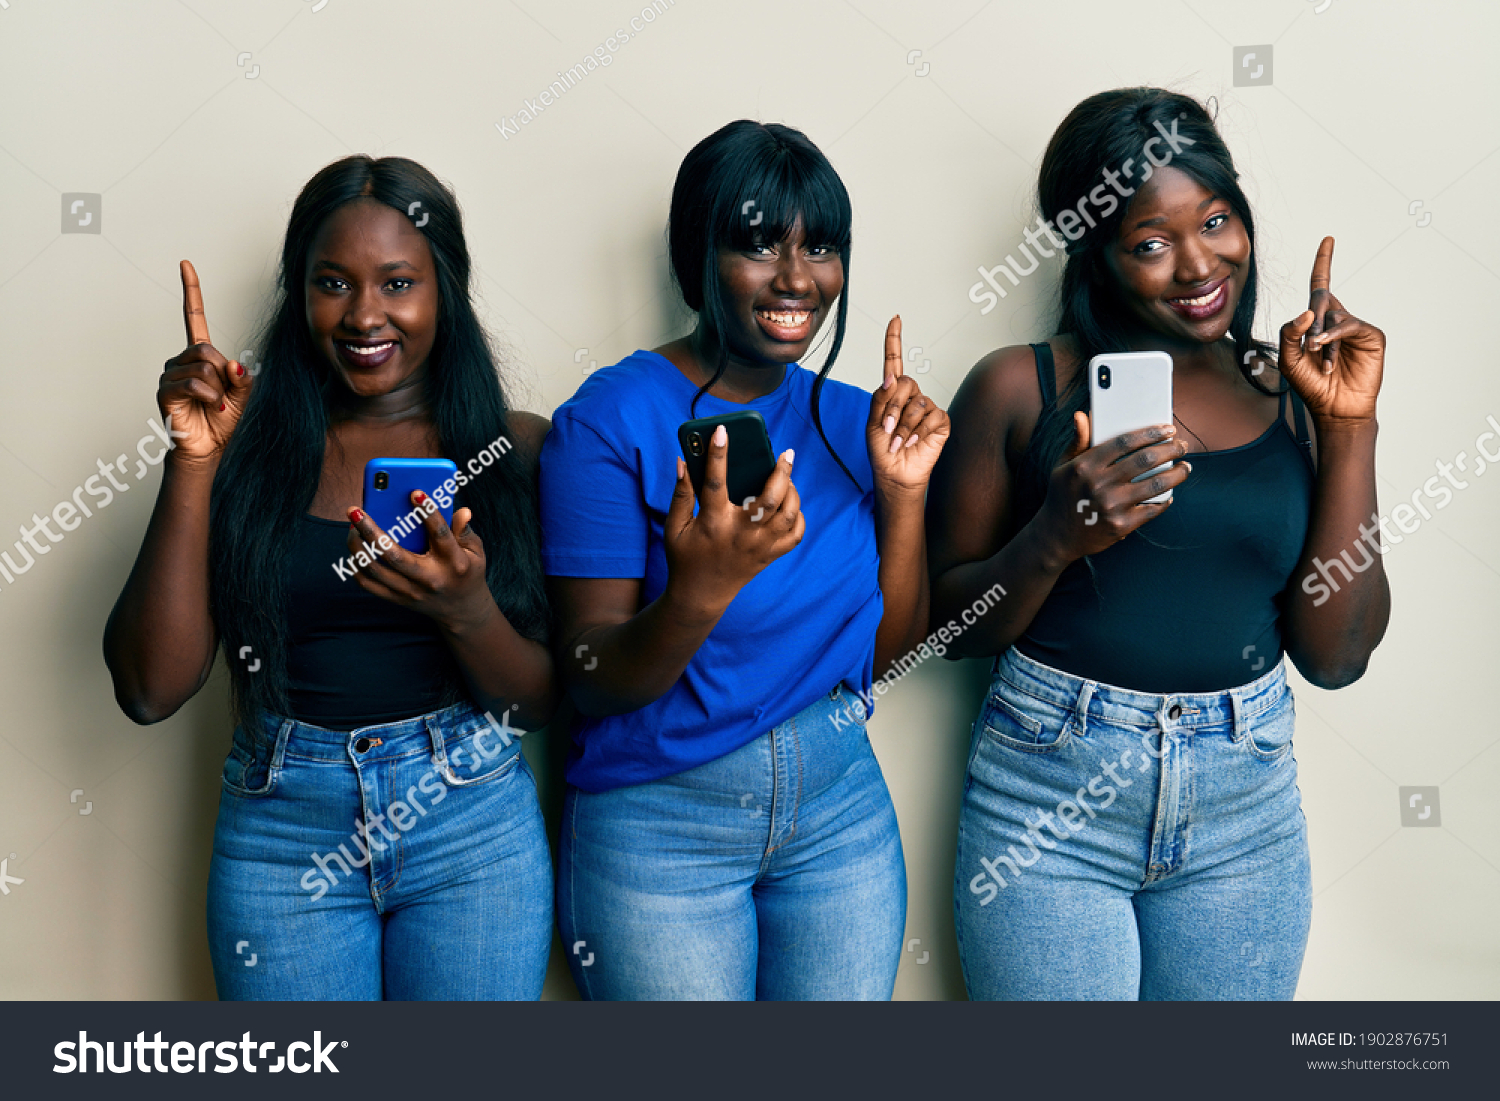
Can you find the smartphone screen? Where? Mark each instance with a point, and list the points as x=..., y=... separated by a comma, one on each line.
x=1129, y=391
x=750, y=459
x=389, y=484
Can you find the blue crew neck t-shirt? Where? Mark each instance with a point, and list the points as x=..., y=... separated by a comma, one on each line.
x=803, y=625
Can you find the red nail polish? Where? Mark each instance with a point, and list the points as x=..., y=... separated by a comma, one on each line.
x=420, y=496
x=239, y=369
x=355, y=515
x=221, y=407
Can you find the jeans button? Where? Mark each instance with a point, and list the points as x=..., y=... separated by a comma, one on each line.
x=1175, y=711
x=362, y=745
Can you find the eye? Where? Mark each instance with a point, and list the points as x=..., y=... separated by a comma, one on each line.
x=331, y=283
x=822, y=251
x=406, y=283
x=1215, y=222
x=1145, y=247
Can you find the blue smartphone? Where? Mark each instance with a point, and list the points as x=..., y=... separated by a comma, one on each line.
x=389, y=484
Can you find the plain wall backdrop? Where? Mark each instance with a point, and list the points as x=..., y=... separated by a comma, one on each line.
x=196, y=122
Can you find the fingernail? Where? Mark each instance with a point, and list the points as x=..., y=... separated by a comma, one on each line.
x=895, y=445
x=239, y=369
x=221, y=407
x=721, y=436
x=890, y=425
x=791, y=456
x=419, y=495
x=910, y=440
x=888, y=383
x=355, y=516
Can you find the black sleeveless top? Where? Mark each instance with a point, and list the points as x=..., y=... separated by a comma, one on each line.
x=1190, y=601
x=354, y=659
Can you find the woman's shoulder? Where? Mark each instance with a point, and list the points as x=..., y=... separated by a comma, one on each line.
x=528, y=431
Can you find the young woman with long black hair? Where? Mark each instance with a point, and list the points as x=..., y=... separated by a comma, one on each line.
x=378, y=835
x=1131, y=825
x=727, y=832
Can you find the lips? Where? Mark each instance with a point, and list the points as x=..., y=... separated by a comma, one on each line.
x=1202, y=306
x=787, y=325
x=365, y=353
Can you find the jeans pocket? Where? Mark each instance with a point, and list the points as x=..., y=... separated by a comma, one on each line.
x=1268, y=736
x=479, y=756
x=254, y=762
x=1025, y=723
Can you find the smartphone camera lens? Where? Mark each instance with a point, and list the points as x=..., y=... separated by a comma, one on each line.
x=695, y=443
x=1104, y=378
x=382, y=479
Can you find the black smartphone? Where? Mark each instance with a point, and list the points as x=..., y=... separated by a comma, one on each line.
x=751, y=460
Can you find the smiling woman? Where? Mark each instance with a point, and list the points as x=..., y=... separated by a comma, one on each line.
x=374, y=351
x=728, y=832
x=1159, y=619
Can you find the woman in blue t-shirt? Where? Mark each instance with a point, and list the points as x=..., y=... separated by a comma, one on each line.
x=727, y=832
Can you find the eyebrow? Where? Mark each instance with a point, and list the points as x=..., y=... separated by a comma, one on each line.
x=1160, y=218
x=391, y=266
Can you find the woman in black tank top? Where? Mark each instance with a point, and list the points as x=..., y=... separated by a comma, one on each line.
x=378, y=833
x=1138, y=649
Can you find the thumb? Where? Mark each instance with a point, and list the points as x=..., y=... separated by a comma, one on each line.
x=1080, y=442
x=680, y=511
x=240, y=380
x=1291, y=358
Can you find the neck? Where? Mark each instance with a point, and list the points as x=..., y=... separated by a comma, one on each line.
x=743, y=380
x=405, y=402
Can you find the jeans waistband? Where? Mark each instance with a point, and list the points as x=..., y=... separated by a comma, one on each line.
x=1180, y=709
x=430, y=734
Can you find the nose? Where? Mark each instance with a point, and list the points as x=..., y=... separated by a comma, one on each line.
x=366, y=313
x=793, y=277
x=1196, y=262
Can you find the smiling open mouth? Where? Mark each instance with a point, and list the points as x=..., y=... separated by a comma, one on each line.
x=787, y=325
x=365, y=355
x=1205, y=305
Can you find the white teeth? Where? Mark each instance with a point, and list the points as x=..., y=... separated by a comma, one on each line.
x=1205, y=300
x=789, y=320
x=372, y=350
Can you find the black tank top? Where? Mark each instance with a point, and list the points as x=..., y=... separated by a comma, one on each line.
x=1190, y=601
x=354, y=659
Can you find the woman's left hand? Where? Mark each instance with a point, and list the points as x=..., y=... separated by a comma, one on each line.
x=447, y=583
x=1330, y=357
x=906, y=431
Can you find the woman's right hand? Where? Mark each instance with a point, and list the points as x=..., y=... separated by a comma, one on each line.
x=201, y=393
x=713, y=555
x=1091, y=502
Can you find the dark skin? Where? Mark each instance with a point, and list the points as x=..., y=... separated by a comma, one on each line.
x=371, y=280
x=778, y=294
x=1177, y=242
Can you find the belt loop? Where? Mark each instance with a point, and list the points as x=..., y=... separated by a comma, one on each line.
x=439, y=751
x=1237, y=709
x=1081, y=708
x=283, y=735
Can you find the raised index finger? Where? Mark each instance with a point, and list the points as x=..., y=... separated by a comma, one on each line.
x=192, y=306
x=1321, y=274
x=893, y=356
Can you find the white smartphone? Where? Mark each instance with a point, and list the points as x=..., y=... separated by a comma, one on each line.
x=1129, y=391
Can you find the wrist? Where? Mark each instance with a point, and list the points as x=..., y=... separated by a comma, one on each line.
x=1044, y=548
x=693, y=604
x=474, y=621
x=895, y=497
x=1333, y=428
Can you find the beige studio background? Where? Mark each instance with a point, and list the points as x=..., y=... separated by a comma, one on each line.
x=195, y=123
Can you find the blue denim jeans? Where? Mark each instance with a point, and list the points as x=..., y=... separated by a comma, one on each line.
x=406, y=860
x=1121, y=845
x=774, y=872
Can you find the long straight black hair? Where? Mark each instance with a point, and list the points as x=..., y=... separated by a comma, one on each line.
x=747, y=183
x=1103, y=132
x=272, y=464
